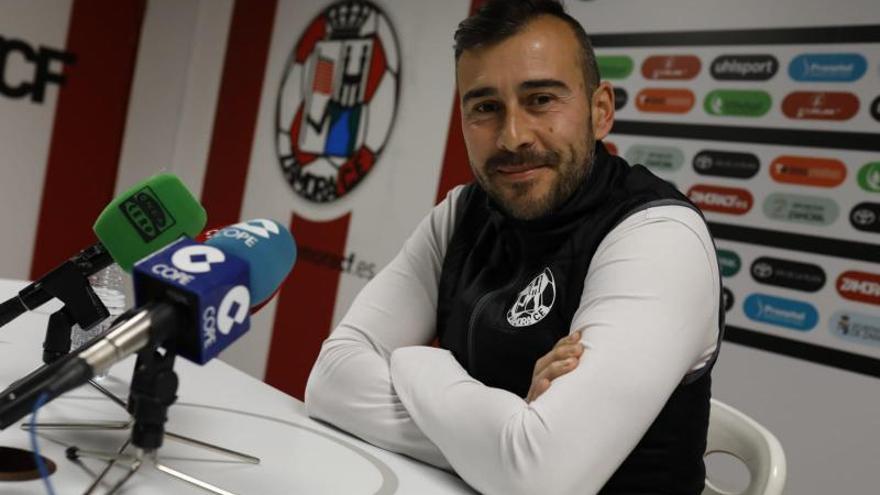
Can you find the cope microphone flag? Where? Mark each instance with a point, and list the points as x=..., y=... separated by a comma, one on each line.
x=192, y=297
x=148, y=216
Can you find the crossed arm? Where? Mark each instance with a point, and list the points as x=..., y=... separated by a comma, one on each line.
x=647, y=316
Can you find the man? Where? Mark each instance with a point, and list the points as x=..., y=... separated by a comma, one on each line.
x=576, y=299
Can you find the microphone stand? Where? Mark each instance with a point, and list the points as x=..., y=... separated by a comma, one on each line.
x=153, y=390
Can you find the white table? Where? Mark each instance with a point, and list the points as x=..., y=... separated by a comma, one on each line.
x=217, y=404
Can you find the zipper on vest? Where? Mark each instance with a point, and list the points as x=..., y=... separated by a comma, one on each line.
x=481, y=302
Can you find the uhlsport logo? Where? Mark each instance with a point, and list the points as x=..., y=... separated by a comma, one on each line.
x=788, y=313
x=146, y=214
x=338, y=100
x=744, y=67
x=534, y=302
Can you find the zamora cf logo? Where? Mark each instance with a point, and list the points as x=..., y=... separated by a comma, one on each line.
x=534, y=302
x=338, y=100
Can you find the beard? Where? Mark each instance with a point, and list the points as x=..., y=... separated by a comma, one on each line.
x=521, y=200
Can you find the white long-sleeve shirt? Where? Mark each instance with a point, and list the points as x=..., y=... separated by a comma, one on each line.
x=648, y=316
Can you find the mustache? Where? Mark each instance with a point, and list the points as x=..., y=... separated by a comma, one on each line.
x=525, y=157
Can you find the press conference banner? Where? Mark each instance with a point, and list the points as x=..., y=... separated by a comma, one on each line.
x=775, y=135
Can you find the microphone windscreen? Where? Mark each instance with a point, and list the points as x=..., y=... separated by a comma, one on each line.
x=267, y=247
x=150, y=215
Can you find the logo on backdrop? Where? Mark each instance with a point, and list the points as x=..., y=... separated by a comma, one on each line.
x=828, y=67
x=17, y=80
x=620, y=98
x=726, y=164
x=859, y=286
x=337, y=101
x=727, y=298
x=865, y=216
x=799, y=208
x=744, y=67
x=779, y=311
x=860, y=327
x=813, y=105
x=731, y=200
x=789, y=274
x=534, y=302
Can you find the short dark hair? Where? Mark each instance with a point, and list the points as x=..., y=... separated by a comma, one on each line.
x=498, y=20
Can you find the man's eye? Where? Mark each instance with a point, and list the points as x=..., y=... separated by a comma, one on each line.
x=485, y=107
x=541, y=99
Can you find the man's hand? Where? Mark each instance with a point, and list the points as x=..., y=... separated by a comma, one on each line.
x=563, y=358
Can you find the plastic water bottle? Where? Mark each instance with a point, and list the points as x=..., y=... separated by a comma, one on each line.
x=108, y=285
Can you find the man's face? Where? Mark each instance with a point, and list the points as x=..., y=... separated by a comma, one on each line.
x=527, y=117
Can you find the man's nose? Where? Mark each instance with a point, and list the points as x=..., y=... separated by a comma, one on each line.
x=516, y=131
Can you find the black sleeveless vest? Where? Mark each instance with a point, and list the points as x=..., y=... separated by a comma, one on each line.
x=497, y=330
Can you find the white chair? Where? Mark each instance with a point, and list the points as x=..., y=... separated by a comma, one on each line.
x=736, y=434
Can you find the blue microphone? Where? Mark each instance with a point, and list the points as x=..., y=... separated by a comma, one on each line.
x=194, y=297
x=264, y=240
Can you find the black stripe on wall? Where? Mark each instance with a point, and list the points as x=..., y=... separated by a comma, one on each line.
x=827, y=246
x=774, y=36
x=801, y=350
x=788, y=137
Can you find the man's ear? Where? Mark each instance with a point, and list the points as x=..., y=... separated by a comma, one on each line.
x=602, y=109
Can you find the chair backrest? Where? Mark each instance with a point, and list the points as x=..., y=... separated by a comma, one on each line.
x=734, y=433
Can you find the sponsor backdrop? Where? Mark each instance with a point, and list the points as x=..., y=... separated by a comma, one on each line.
x=774, y=133
x=339, y=120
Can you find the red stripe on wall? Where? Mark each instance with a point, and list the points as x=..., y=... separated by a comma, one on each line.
x=244, y=68
x=89, y=125
x=456, y=169
x=304, y=312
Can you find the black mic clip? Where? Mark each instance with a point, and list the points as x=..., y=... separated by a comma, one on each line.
x=68, y=284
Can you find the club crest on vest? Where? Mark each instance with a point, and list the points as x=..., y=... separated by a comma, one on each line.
x=534, y=302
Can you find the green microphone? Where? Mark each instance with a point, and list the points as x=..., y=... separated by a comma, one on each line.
x=147, y=217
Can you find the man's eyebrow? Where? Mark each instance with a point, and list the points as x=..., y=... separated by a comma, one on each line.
x=542, y=83
x=523, y=86
x=478, y=93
